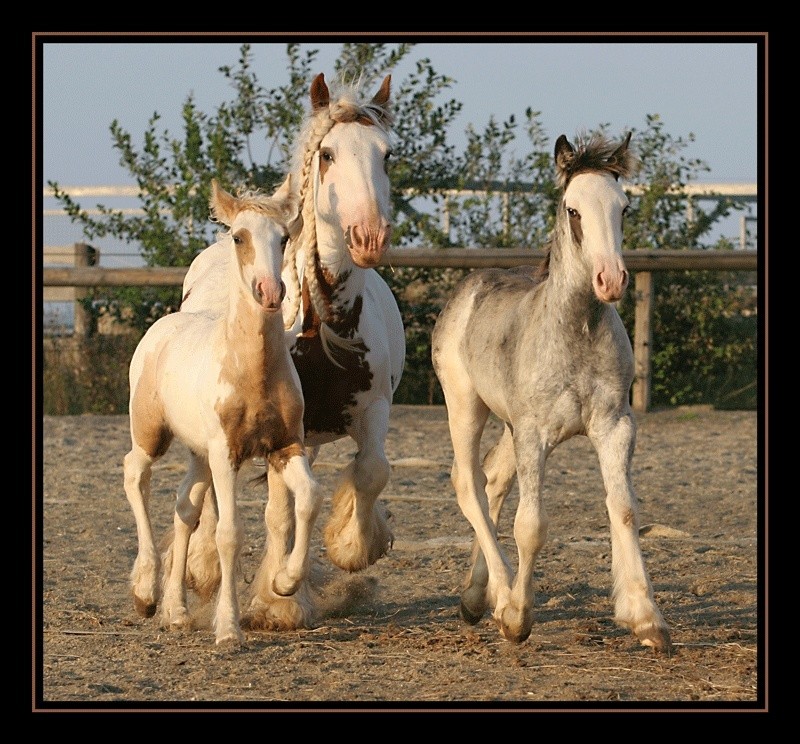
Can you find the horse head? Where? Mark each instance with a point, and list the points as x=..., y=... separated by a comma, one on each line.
x=258, y=230
x=594, y=205
x=351, y=187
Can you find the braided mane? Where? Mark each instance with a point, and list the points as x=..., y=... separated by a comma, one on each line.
x=345, y=104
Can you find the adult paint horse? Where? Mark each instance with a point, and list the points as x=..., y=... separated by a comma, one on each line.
x=548, y=354
x=226, y=386
x=344, y=332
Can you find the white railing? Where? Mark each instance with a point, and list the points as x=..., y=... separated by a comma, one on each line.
x=746, y=193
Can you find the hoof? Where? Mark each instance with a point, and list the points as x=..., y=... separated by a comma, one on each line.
x=469, y=616
x=352, y=546
x=473, y=603
x=657, y=638
x=177, y=621
x=230, y=640
x=144, y=608
x=515, y=625
x=278, y=614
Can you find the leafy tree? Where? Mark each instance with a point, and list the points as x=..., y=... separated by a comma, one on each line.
x=704, y=338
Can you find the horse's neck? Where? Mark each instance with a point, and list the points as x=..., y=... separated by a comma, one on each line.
x=253, y=334
x=569, y=298
x=341, y=276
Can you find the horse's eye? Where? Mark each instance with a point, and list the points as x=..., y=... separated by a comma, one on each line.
x=326, y=155
x=284, y=242
x=237, y=240
x=573, y=212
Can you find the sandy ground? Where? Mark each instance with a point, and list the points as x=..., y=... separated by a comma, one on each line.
x=402, y=645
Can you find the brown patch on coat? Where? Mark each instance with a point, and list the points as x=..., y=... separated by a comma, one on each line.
x=279, y=459
x=245, y=250
x=328, y=390
x=263, y=412
x=574, y=225
x=149, y=427
x=324, y=163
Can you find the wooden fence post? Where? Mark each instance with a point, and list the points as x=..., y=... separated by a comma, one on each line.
x=85, y=255
x=76, y=255
x=643, y=340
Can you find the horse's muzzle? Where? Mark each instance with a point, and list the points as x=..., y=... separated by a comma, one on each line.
x=270, y=294
x=368, y=245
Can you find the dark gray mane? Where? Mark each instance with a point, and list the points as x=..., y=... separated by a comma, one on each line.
x=593, y=153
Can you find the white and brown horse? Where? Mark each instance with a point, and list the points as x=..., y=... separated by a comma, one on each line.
x=547, y=353
x=344, y=332
x=224, y=385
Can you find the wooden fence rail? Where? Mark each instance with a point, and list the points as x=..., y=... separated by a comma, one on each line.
x=641, y=263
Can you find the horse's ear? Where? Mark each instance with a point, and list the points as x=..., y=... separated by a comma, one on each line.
x=320, y=95
x=222, y=204
x=290, y=204
x=285, y=189
x=382, y=96
x=621, y=158
x=619, y=154
x=564, y=153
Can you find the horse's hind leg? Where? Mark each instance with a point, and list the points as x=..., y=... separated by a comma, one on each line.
x=530, y=532
x=137, y=468
x=357, y=533
x=202, y=562
x=203, y=573
x=188, y=506
x=467, y=416
x=500, y=467
x=634, y=605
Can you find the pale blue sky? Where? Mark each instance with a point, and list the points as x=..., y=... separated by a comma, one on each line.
x=706, y=88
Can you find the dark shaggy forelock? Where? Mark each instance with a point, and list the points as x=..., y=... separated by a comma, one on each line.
x=595, y=154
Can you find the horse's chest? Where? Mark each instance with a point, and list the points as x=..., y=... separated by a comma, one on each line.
x=330, y=392
x=256, y=425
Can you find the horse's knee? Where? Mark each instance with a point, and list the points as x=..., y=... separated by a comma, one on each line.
x=187, y=512
x=371, y=473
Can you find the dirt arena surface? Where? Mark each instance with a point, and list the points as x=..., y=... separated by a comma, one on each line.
x=400, y=645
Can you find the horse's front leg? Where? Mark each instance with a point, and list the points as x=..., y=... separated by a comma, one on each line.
x=229, y=541
x=500, y=467
x=634, y=605
x=273, y=606
x=188, y=506
x=357, y=533
x=296, y=474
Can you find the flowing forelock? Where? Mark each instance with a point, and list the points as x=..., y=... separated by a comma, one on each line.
x=256, y=201
x=595, y=153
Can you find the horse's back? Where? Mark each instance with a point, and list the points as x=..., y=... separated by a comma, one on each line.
x=486, y=303
x=205, y=285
